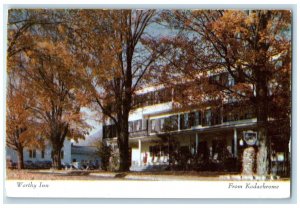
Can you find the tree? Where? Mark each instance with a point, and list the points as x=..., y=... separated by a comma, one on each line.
x=104, y=152
x=21, y=129
x=58, y=100
x=253, y=47
x=47, y=67
x=109, y=44
x=21, y=22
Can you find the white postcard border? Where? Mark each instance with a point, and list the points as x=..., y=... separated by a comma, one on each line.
x=60, y=188
x=148, y=189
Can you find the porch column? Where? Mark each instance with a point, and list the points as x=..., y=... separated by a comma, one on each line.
x=140, y=152
x=235, y=142
x=196, y=146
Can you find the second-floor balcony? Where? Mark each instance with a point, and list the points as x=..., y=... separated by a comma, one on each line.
x=184, y=121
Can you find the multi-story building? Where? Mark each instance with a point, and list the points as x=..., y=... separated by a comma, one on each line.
x=216, y=136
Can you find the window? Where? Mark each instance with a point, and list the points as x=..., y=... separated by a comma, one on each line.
x=162, y=124
x=109, y=131
x=153, y=123
x=137, y=125
x=192, y=119
x=130, y=126
x=186, y=120
x=32, y=153
x=170, y=123
x=157, y=125
x=43, y=154
x=181, y=118
x=216, y=117
x=152, y=98
x=237, y=111
x=207, y=118
x=145, y=124
x=198, y=118
x=182, y=121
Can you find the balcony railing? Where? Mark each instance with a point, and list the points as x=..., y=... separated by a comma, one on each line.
x=138, y=133
x=184, y=121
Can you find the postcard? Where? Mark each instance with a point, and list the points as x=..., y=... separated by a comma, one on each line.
x=148, y=103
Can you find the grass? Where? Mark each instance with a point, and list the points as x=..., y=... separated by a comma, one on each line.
x=36, y=175
x=14, y=174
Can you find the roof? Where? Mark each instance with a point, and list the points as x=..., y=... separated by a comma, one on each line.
x=86, y=150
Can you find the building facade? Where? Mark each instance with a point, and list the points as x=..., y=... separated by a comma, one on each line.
x=85, y=156
x=34, y=156
x=71, y=154
x=206, y=139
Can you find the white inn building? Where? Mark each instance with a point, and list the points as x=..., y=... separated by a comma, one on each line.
x=161, y=136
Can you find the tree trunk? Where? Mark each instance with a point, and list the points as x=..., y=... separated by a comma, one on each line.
x=123, y=137
x=20, y=158
x=56, y=158
x=124, y=154
x=57, y=138
x=123, y=116
x=262, y=122
x=263, y=153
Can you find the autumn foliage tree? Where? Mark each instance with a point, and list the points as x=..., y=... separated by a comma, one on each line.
x=110, y=49
x=253, y=47
x=21, y=129
x=58, y=100
x=22, y=22
x=49, y=74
